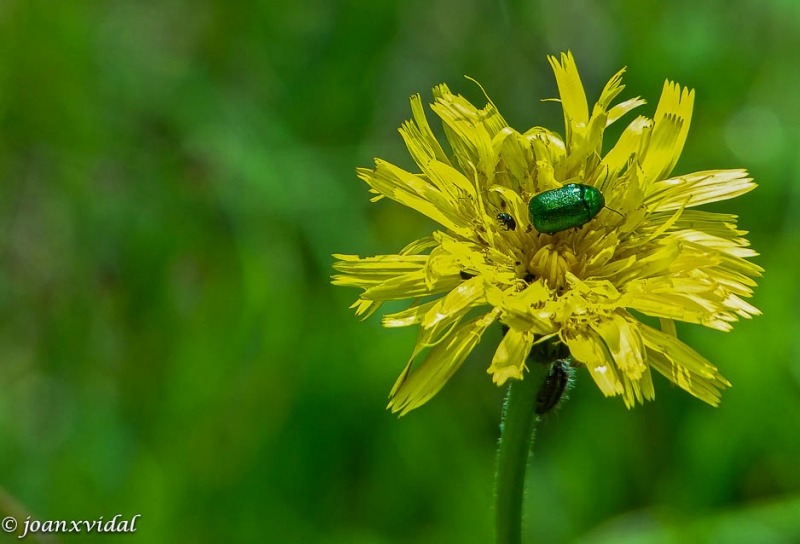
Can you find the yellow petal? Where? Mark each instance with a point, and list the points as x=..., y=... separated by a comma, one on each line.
x=424, y=132
x=365, y=308
x=410, y=285
x=416, y=193
x=668, y=326
x=509, y=358
x=698, y=188
x=448, y=178
x=670, y=127
x=370, y=271
x=655, y=262
x=584, y=151
x=573, y=97
x=638, y=390
x=683, y=366
x=588, y=348
x=524, y=309
x=622, y=108
x=548, y=148
x=669, y=299
x=517, y=154
x=468, y=129
x=449, y=310
x=410, y=316
x=630, y=143
x=611, y=90
x=722, y=225
x=624, y=342
x=413, y=389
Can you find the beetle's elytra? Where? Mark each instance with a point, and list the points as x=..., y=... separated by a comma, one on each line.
x=564, y=208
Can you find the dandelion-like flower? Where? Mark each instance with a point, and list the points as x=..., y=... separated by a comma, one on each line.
x=647, y=251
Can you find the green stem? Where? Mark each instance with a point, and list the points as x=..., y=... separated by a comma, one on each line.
x=516, y=441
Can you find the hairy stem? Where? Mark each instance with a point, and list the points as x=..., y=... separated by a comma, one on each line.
x=516, y=440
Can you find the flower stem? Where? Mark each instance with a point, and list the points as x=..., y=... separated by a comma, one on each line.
x=516, y=440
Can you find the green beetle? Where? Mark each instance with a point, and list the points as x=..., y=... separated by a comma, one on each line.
x=564, y=208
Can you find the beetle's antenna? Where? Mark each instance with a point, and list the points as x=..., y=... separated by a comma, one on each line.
x=613, y=210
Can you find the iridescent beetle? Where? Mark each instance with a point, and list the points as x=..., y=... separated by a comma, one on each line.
x=564, y=208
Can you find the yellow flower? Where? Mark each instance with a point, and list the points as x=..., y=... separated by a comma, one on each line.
x=651, y=252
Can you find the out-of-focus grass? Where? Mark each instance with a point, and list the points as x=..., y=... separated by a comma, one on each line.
x=175, y=176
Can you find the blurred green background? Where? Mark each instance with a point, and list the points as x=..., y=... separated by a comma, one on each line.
x=175, y=176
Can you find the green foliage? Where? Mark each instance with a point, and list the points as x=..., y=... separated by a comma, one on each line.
x=175, y=176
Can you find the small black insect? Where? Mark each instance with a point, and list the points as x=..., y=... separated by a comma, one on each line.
x=554, y=386
x=509, y=222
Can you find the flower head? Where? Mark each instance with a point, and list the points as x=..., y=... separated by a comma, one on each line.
x=647, y=251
